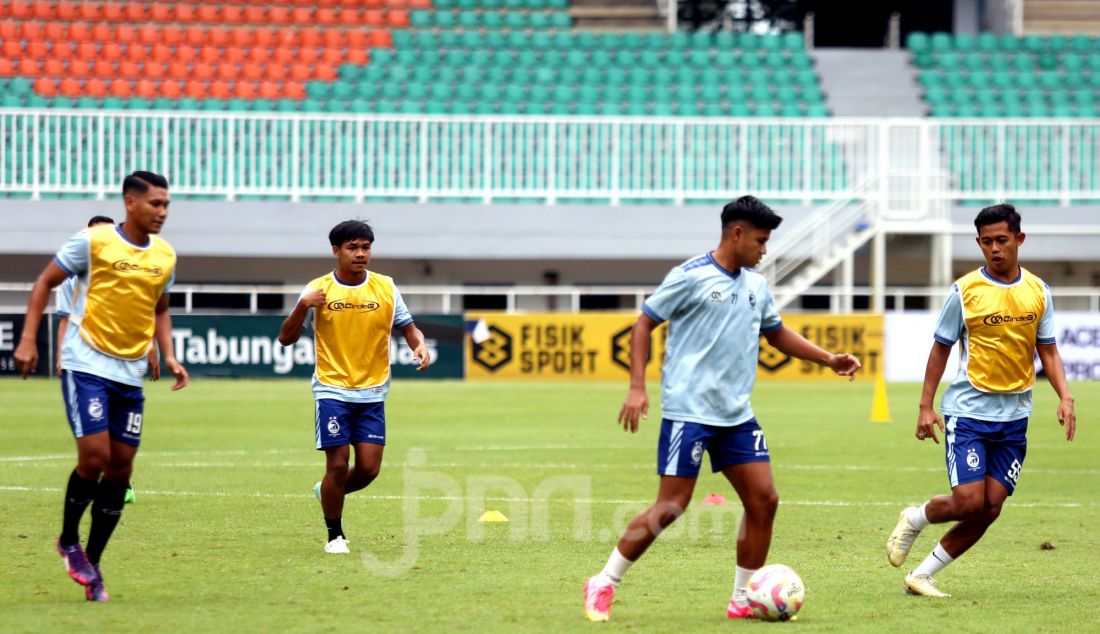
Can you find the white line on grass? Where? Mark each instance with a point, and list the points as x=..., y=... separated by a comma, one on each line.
x=527, y=500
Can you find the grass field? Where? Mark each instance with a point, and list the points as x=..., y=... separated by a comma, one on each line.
x=226, y=535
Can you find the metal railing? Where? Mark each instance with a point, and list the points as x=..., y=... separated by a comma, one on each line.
x=449, y=299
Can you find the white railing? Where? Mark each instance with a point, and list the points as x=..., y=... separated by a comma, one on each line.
x=543, y=158
x=449, y=299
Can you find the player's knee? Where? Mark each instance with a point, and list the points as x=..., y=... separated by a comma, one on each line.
x=337, y=469
x=969, y=507
x=668, y=510
x=992, y=512
x=92, y=463
x=371, y=471
x=763, y=504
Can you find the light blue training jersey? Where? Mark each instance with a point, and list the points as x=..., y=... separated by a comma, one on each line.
x=715, y=320
x=963, y=399
x=76, y=354
x=65, y=297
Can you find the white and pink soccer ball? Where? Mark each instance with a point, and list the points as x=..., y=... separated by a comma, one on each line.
x=775, y=593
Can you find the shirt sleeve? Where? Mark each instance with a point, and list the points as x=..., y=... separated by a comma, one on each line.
x=401, y=315
x=949, y=326
x=770, y=320
x=1046, y=322
x=171, y=281
x=73, y=257
x=669, y=297
x=65, y=297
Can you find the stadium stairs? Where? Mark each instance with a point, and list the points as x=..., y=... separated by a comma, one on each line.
x=1062, y=16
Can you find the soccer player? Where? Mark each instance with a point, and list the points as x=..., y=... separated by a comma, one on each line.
x=717, y=308
x=353, y=311
x=1003, y=315
x=123, y=275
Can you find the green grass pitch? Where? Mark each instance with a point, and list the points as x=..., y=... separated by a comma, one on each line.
x=226, y=535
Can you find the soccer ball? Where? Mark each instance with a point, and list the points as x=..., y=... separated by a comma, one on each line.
x=775, y=593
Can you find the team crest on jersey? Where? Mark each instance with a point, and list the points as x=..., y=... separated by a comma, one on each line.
x=95, y=409
x=716, y=296
x=752, y=300
x=333, y=426
x=697, y=452
x=972, y=459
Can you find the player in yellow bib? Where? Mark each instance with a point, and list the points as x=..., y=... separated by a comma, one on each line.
x=353, y=311
x=122, y=277
x=1001, y=315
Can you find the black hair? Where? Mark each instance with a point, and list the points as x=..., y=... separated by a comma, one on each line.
x=752, y=211
x=140, y=182
x=97, y=220
x=993, y=214
x=350, y=230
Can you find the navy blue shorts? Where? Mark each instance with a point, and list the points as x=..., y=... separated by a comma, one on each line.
x=978, y=448
x=339, y=423
x=94, y=404
x=681, y=446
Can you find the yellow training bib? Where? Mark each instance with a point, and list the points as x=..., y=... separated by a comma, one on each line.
x=353, y=331
x=124, y=284
x=1002, y=322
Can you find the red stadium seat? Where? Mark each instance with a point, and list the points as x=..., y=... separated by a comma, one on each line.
x=202, y=70
x=245, y=90
x=95, y=87
x=161, y=53
x=398, y=18
x=136, y=52
x=194, y=89
x=194, y=36
x=302, y=15
x=217, y=36
x=43, y=10
x=270, y=90
x=300, y=72
x=12, y=49
x=232, y=15
x=103, y=32
x=220, y=90
x=179, y=70
x=129, y=69
x=326, y=72
x=32, y=30
x=251, y=71
x=45, y=86
x=334, y=38
x=332, y=56
x=113, y=12
x=148, y=34
x=153, y=69
x=380, y=39
x=283, y=55
x=146, y=88
x=170, y=88
x=80, y=32
x=37, y=49
x=135, y=12
x=71, y=87
x=235, y=54
x=80, y=67
x=61, y=50
x=184, y=13
x=255, y=15
x=259, y=55
x=228, y=72
x=209, y=13
x=308, y=55
x=87, y=51
x=54, y=68
x=289, y=38
x=294, y=90
x=241, y=37
x=111, y=52
x=171, y=35
x=374, y=4
x=104, y=69
x=68, y=11
x=186, y=54
x=278, y=15
x=89, y=10
x=9, y=30
x=418, y=4
x=125, y=34
x=311, y=37
x=55, y=31
x=7, y=68
x=357, y=56
x=209, y=55
x=29, y=67
x=326, y=16
x=277, y=71
x=265, y=37
x=374, y=17
x=160, y=12
x=19, y=9
x=122, y=88
x=357, y=38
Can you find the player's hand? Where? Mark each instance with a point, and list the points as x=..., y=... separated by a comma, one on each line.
x=927, y=422
x=845, y=364
x=154, y=364
x=421, y=353
x=636, y=406
x=179, y=372
x=313, y=298
x=1067, y=417
x=26, y=356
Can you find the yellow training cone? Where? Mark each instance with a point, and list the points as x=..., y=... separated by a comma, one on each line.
x=880, y=404
x=492, y=516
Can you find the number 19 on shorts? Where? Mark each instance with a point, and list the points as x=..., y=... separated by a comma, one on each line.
x=133, y=423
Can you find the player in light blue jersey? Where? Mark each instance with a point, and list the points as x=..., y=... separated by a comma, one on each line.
x=1002, y=317
x=717, y=308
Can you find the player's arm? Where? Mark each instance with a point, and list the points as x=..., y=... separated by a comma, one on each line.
x=26, y=353
x=790, y=342
x=637, y=400
x=1056, y=374
x=162, y=332
x=153, y=359
x=62, y=326
x=927, y=418
x=415, y=339
x=291, y=329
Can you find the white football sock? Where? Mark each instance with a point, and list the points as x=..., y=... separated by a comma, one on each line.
x=916, y=517
x=933, y=563
x=616, y=568
x=741, y=583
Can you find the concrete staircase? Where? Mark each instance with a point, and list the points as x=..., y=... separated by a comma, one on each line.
x=1062, y=16
x=860, y=82
x=616, y=15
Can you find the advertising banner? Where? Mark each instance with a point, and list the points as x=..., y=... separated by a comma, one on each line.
x=248, y=346
x=548, y=346
x=11, y=330
x=1078, y=336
